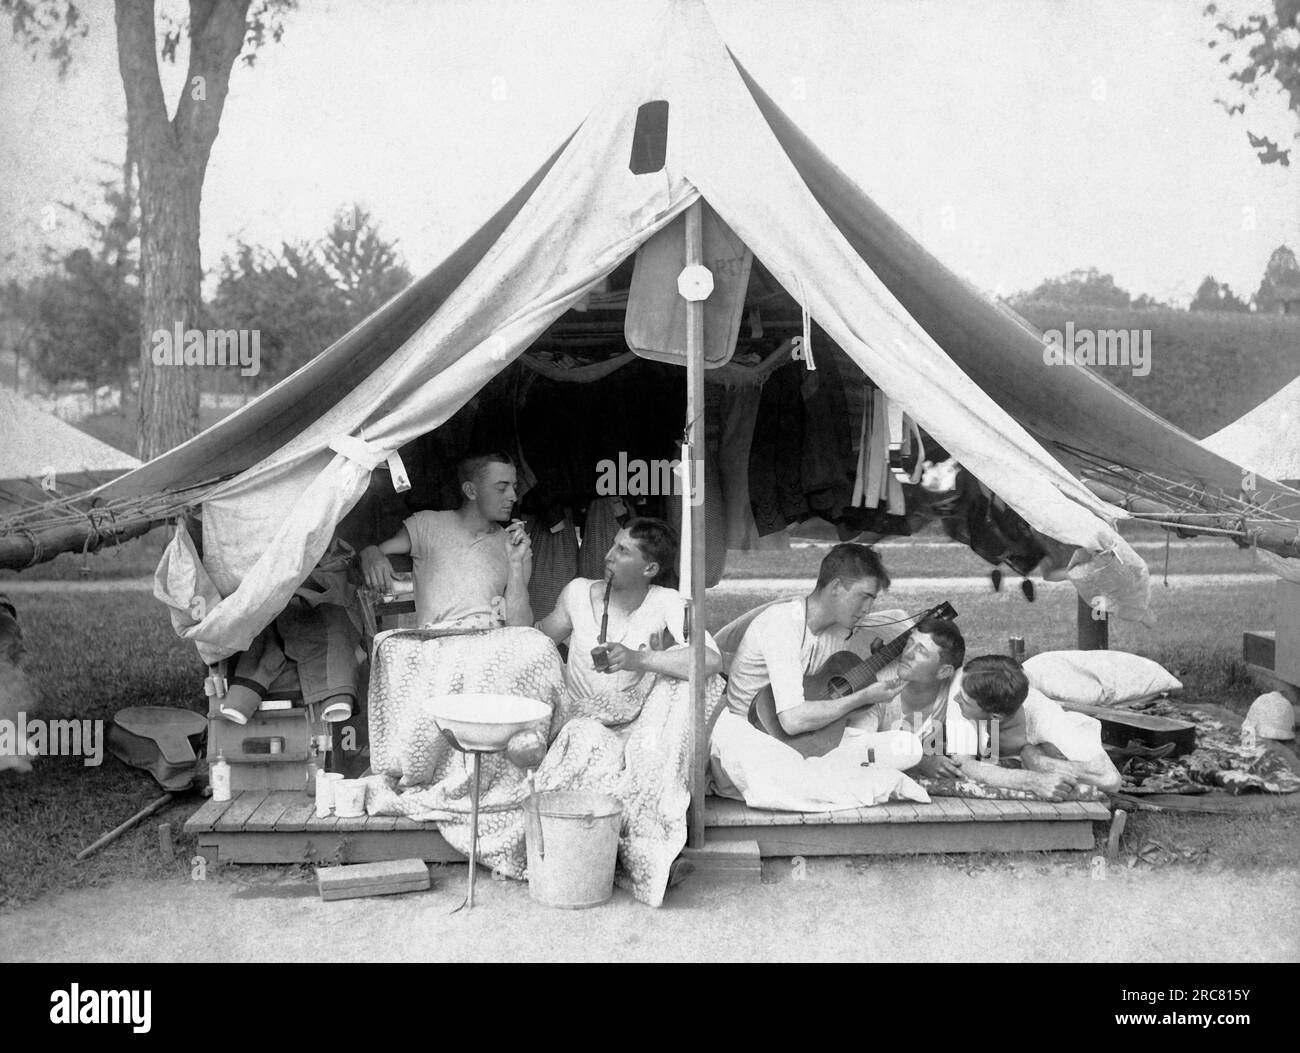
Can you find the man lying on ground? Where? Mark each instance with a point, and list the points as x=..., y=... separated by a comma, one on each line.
x=934, y=653
x=468, y=567
x=1056, y=751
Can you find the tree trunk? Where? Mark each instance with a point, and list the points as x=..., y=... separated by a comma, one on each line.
x=172, y=157
x=171, y=275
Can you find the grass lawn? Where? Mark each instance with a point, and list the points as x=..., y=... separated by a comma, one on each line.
x=95, y=653
x=935, y=557
x=91, y=655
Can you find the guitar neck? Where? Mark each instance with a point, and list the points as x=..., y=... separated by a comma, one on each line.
x=864, y=674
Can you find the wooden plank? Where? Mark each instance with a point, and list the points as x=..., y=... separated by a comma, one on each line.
x=381, y=822
x=400, y=822
x=1011, y=810
x=839, y=817
x=1044, y=810
x=913, y=838
x=319, y=824
x=270, y=810
x=1096, y=811
x=982, y=810
x=900, y=812
x=346, y=823
x=389, y=877
x=722, y=811
x=241, y=807
x=300, y=846
x=295, y=815
x=1259, y=648
x=736, y=862
x=736, y=813
x=206, y=817
x=932, y=812
x=953, y=809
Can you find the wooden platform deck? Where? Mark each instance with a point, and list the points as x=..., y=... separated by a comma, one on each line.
x=281, y=827
x=947, y=824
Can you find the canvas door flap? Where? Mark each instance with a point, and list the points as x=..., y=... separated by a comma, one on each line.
x=655, y=326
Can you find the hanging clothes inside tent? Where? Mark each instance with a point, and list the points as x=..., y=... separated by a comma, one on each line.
x=801, y=459
x=555, y=562
x=605, y=516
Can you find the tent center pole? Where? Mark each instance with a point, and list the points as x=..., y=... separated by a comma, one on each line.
x=693, y=546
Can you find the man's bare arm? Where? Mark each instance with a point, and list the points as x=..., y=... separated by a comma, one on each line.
x=1099, y=771
x=1051, y=786
x=675, y=663
x=376, y=567
x=519, y=609
x=813, y=715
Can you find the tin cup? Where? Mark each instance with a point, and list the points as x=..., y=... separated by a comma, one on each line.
x=350, y=798
x=326, y=781
x=600, y=658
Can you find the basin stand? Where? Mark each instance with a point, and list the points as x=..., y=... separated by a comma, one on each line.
x=473, y=827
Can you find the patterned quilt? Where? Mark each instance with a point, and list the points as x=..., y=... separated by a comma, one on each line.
x=634, y=745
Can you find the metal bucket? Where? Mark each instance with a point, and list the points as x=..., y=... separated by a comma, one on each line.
x=572, y=841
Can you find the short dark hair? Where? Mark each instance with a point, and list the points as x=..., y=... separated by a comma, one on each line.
x=658, y=543
x=995, y=683
x=470, y=466
x=852, y=562
x=952, y=645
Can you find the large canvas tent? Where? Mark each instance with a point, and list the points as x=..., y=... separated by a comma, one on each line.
x=1264, y=439
x=276, y=478
x=43, y=457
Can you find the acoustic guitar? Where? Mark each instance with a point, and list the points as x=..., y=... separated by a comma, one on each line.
x=842, y=673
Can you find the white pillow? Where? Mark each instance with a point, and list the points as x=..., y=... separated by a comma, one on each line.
x=1098, y=678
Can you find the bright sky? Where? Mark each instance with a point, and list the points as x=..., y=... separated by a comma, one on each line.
x=1017, y=139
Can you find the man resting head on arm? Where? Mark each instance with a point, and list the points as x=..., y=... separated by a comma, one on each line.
x=1055, y=752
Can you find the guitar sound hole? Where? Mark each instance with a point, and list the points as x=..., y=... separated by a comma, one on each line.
x=838, y=687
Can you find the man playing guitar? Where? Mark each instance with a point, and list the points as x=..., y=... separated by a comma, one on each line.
x=792, y=639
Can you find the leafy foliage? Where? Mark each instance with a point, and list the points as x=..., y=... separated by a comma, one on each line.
x=1080, y=288
x=1214, y=296
x=87, y=321
x=49, y=25
x=1281, y=283
x=304, y=297
x=265, y=21
x=82, y=316
x=1257, y=50
x=364, y=266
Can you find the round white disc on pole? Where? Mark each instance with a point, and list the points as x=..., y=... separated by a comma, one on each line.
x=695, y=282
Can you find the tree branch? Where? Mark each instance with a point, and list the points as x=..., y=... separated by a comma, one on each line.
x=137, y=59
x=217, y=31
